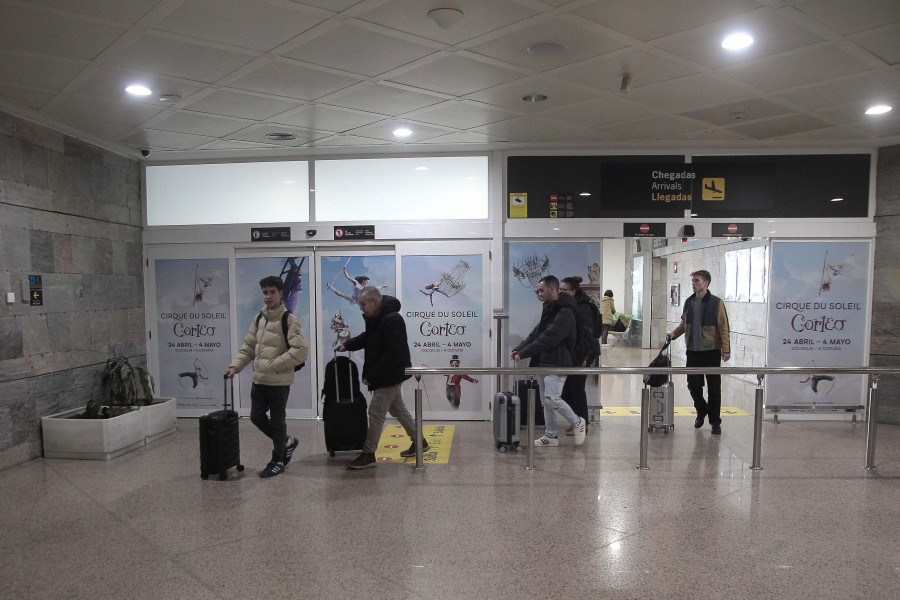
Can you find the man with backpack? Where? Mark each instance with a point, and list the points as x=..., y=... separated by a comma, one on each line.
x=551, y=344
x=276, y=345
x=587, y=348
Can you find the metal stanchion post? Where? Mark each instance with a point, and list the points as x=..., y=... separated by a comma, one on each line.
x=420, y=466
x=645, y=426
x=871, y=430
x=757, y=425
x=529, y=466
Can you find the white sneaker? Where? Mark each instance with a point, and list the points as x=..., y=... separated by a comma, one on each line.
x=580, y=430
x=544, y=441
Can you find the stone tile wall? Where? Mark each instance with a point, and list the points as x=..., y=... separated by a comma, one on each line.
x=885, y=344
x=70, y=212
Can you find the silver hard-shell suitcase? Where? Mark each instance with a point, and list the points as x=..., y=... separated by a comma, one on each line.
x=662, y=407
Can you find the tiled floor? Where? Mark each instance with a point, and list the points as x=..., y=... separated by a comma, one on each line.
x=585, y=524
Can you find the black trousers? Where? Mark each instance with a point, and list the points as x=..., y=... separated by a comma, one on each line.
x=271, y=399
x=713, y=405
x=574, y=395
x=604, y=332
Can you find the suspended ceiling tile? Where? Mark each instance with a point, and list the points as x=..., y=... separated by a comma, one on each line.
x=772, y=33
x=607, y=110
x=383, y=130
x=461, y=114
x=456, y=75
x=605, y=73
x=464, y=137
x=581, y=41
x=479, y=17
x=327, y=118
x=179, y=58
x=559, y=93
x=850, y=16
x=151, y=138
x=109, y=81
x=293, y=80
x=233, y=145
x=749, y=109
x=34, y=30
x=245, y=105
x=883, y=43
x=689, y=93
x=349, y=141
x=383, y=99
x=651, y=19
x=87, y=108
x=184, y=121
x=873, y=85
x=336, y=6
x=101, y=129
x=257, y=133
x=244, y=23
x=780, y=126
x=27, y=97
x=528, y=128
x=349, y=48
x=660, y=128
x=38, y=71
x=124, y=11
x=797, y=68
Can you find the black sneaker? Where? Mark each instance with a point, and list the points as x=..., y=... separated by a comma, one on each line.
x=717, y=430
x=698, y=422
x=272, y=469
x=363, y=461
x=289, y=449
x=412, y=449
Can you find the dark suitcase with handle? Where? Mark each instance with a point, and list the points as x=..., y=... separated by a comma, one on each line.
x=344, y=409
x=220, y=439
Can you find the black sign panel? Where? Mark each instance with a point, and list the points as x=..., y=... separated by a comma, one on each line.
x=644, y=230
x=270, y=234
x=657, y=189
x=562, y=206
x=737, y=230
x=36, y=296
x=354, y=232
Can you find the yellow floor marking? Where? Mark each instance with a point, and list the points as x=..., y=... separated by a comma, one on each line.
x=680, y=411
x=394, y=441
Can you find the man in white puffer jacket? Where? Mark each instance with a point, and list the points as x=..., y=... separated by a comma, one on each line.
x=274, y=358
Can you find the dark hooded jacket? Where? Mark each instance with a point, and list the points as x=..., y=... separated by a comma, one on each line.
x=552, y=342
x=384, y=340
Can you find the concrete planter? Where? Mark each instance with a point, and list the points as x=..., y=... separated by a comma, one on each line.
x=159, y=418
x=104, y=439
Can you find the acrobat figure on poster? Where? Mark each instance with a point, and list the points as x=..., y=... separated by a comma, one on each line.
x=359, y=282
x=594, y=271
x=454, y=389
x=815, y=379
x=196, y=375
x=450, y=283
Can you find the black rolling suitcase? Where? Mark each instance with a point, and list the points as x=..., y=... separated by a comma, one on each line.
x=220, y=440
x=506, y=421
x=344, y=408
x=522, y=387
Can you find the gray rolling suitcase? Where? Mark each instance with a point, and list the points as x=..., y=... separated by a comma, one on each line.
x=662, y=397
x=507, y=409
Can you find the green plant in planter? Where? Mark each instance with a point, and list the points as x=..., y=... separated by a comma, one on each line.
x=124, y=385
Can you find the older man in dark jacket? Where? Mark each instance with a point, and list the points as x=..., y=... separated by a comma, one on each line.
x=551, y=344
x=384, y=370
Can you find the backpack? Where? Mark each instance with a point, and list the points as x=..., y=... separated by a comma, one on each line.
x=584, y=337
x=597, y=321
x=284, y=331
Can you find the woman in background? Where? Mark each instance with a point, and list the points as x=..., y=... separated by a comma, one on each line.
x=607, y=312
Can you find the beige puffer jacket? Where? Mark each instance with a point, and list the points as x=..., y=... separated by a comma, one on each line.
x=274, y=358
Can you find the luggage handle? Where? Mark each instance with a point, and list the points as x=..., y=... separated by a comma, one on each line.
x=225, y=399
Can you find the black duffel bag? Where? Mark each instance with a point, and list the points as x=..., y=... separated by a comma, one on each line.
x=662, y=360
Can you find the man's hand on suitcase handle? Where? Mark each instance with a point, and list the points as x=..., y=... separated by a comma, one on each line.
x=229, y=372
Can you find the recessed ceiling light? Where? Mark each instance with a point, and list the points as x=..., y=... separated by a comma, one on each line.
x=737, y=41
x=878, y=109
x=837, y=199
x=138, y=90
x=534, y=97
x=584, y=194
x=546, y=48
x=402, y=132
x=170, y=98
x=281, y=137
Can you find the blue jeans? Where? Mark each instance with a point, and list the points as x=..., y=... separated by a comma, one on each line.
x=552, y=389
